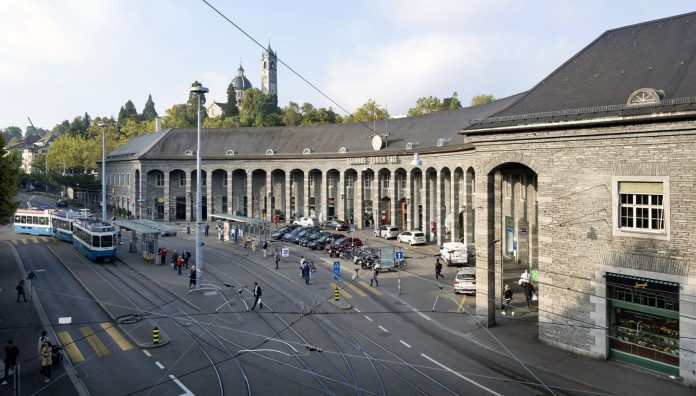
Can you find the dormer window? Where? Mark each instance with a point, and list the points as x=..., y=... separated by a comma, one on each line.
x=230, y=152
x=188, y=153
x=270, y=152
x=409, y=146
x=307, y=151
x=343, y=150
x=645, y=96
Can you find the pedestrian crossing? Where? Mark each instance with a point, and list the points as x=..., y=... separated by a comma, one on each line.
x=358, y=287
x=31, y=240
x=101, y=341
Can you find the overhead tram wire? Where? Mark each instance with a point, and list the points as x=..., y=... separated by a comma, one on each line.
x=285, y=64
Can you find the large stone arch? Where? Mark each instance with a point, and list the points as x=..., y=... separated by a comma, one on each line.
x=510, y=157
x=155, y=194
x=178, y=185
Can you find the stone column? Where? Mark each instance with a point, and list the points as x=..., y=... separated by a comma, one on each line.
x=439, y=202
x=250, y=193
x=210, y=208
x=341, y=196
x=394, y=193
x=489, y=203
x=269, y=196
x=166, y=197
x=189, y=198
x=424, y=188
x=323, y=190
x=288, y=194
x=230, y=191
x=358, y=200
x=306, y=194
x=376, y=214
x=409, y=201
x=454, y=189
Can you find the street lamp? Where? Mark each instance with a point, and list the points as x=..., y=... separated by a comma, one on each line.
x=103, y=127
x=199, y=90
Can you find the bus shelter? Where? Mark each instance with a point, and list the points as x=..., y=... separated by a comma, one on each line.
x=241, y=228
x=143, y=239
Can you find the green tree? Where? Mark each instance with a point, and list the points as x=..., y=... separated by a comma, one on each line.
x=11, y=132
x=368, y=112
x=9, y=180
x=291, y=114
x=60, y=129
x=425, y=105
x=76, y=128
x=482, y=99
x=177, y=117
x=232, y=109
x=86, y=121
x=452, y=103
x=149, y=112
x=192, y=106
x=128, y=111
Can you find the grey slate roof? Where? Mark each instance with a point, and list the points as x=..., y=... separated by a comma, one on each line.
x=657, y=54
x=425, y=130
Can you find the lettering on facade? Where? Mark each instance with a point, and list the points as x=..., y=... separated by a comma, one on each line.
x=641, y=285
x=387, y=159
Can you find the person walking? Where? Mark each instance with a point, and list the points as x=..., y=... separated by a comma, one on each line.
x=264, y=247
x=192, y=277
x=507, y=296
x=44, y=338
x=305, y=272
x=185, y=255
x=46, y=360
x=312, y=271
x=302, y=263
x=257, y=296
x=179, y=264
x=438, y=269
x=277, y=257
x=525, y=277
x=375, y=274
x=11, y=353
x=20, y=290
x=207, y=229
x=529, y=291
x=163, y=255
x=188, y=228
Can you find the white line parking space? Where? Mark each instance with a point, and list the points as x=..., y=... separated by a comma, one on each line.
x=368, y=318
x=403, y=342
x=148, y=354
x=159, y=365
x=383, y=329
x=357, y=310
x=491, y=391
x=182, y=386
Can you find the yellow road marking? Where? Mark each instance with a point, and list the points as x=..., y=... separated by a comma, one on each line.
x=94, y=341
x=343, y=292
x=460, y=308
x=35, y=240
x=14, y=242
x=45, y=239
x=370, y=288
x=356, y=289
x=70, y=347
x=24, y=241
x=116, y=335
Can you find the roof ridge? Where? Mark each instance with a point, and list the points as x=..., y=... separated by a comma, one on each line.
x=651, y=22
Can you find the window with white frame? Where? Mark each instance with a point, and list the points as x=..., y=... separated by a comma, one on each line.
x=641, y=206
x=386, y=181
x=182, y=180
x=311, y=180
x=350, y=179
x=367, y=181
x=160, y=180
x=128, y=179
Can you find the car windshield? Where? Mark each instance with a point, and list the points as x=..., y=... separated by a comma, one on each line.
x=466, y=276
x=419, y=234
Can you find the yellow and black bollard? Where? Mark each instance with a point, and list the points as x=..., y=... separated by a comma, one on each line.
x=155, y=335
x=336, y=294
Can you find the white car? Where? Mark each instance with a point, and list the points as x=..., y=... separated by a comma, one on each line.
x=465, y=280
x=307, y=222
x=387, y=232
x=412, y=237
x=454, y=253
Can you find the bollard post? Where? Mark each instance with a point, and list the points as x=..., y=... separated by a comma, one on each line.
x=155, y=335
x=336, y=294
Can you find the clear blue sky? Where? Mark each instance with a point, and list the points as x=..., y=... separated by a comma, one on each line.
x=61, y=58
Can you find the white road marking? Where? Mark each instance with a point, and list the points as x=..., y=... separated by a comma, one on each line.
x=383, y=329
x=210, y=293
x=421, y=314
x=402, y=341
x=368, y=318
x=159, y=365
x=176, y=381
x=40, y=270
x=356, y=310
x=148, y=354
x=461, y=376
x=65, y=320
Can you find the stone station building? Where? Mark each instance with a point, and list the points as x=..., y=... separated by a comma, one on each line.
x=588, y=178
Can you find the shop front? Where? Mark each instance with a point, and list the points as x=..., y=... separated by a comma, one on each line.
x=644, y=322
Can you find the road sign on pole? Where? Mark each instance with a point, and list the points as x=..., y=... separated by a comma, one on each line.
x=337, y=267
x=399, y=255
x=337, y=276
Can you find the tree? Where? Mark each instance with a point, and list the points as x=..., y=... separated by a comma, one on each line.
x=192, y=106
x=11, y=132
x=86, y=121
x=232, y=109
x=424, y=105
x=9, y=180
x=149, y=112
x=452, y=103
x=291, y=114
x=128, y=111
x=482, y=99
x=176, y=117
x=76, y=128
x=60, y=129
x=368, y=112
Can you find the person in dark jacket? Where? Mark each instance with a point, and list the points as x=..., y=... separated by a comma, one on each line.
x=257, y=296
x=528, y=292
x=20, y=291
x=11, y=353
x=192, y=277
x=438, y=269
x=507, y=296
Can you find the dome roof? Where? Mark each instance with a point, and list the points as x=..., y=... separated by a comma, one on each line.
x=241, y=83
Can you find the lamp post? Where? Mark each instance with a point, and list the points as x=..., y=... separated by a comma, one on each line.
x=199, y=90
x=103, y=127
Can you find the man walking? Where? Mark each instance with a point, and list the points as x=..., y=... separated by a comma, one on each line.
x=277, y=257
x=264, y=247
x=20, y=290
x=185, y=255
x=179, y=264
x=375, y=274
x=507, y=296
x=257, y=296
x=11, y=353
x=305, y=272
x=207, y=228
x=192, y=277
x=438, y=269
x=163, y=255
x=528, y=292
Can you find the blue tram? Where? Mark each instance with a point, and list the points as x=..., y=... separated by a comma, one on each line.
x=33, y=221
x=62, y=225
x=94, y=238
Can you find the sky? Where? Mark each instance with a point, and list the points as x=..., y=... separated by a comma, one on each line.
x=62, y=58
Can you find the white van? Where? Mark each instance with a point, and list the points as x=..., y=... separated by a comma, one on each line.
x=465, y=280
x=454, y=253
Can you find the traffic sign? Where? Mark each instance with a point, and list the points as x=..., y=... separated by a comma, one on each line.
x=337, y=267
x=337, y=276
x=399, y=255
x=352, y=228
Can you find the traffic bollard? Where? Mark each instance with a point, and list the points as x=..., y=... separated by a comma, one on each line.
x=336, y=294
x=155, y=335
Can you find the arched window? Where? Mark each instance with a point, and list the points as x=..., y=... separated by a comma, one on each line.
x=409, y=146
x=230, y=152
x=188, y=153
x=343, y=150
x=645, y=96
x=270, y=152
x=307, y=151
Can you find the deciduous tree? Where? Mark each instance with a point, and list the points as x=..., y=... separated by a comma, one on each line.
x=482, y=99
x=9, y=180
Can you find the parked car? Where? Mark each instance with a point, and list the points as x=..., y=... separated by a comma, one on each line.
x=289, y=235
x=316, y=233
x=454, y=253
x=465, y=280
x=307, y=221
x=301, y=234
x=412, y=237
x=346, y=242
x=337, y=225
x=387, y=232
x=321, y=243
x=61, y=203
x=278, y=234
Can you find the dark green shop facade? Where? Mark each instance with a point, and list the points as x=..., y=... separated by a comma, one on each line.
x=643, y=322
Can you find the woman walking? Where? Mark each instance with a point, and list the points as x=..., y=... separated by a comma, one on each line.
x=192, y=277
x=507, y=295
x=46, y=360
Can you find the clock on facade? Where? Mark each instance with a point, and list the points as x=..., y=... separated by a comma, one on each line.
x=376, y=142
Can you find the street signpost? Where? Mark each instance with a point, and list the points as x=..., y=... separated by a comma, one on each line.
x=337, y=270
x=399, y=256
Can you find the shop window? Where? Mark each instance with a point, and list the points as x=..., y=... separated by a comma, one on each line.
x=641, y=207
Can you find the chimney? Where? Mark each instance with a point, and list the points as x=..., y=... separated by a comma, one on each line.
x=158, y=124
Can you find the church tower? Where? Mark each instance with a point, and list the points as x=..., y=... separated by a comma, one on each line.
x=269, y=71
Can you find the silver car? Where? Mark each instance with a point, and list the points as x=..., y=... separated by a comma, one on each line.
x=412, y=237
x=387, y=232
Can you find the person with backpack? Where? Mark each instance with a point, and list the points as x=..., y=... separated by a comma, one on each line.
x=438, y=269
x=375, y=273
x=11, y=353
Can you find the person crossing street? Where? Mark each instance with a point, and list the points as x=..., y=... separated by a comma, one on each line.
x=257, y=296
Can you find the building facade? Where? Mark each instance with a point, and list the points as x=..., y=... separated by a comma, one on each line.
x=587, y=178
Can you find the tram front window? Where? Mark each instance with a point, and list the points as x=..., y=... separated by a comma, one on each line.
x=107, y=241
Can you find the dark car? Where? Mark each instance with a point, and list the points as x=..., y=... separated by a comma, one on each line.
x=312, y=237
x=320, y=243
x=278, y=234
x=337, y=225
x=301, y=234
x=62, y=203
x=345, y=242
x=288, y=235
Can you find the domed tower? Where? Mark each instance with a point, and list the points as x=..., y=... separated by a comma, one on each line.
x=269, y=71
x=241, y=84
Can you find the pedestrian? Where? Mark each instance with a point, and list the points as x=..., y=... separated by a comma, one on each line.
x=175, y=257
x=46, y=360
x=528, y=293
x=118, y=235
x=207, y=228
x=221, y=234
x=302, y=262
x=179, y=264
x=11, y=353
x=257, y=296
x=184, y=256
x=277, y=257
x=305, y=272
x=188, y=228
x=42, y=339
x=375, y=274
x=192, y=277
x=20, y=290
x=507, y=296
x=438, y=269
x=525, y=277
x=312, y=271
x=264, y=246
x=163, y=255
